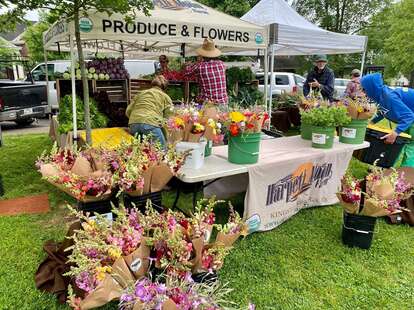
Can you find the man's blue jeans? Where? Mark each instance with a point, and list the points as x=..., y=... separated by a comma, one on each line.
x=145, y=129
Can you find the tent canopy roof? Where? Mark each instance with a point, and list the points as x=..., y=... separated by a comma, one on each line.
x=292, y=34
x=170, y=24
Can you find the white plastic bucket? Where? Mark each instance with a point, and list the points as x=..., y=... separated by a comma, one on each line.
x=195, y=160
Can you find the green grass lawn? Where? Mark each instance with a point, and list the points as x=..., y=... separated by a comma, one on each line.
x=302, y=264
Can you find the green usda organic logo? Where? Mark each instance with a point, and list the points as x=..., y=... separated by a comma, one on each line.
x=85, y=24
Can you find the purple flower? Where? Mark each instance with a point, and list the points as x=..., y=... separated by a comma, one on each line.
x=127, y=298
x=252, y=306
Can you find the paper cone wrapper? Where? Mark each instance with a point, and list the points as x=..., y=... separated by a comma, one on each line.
x=82, y=167
x=209, y=133
x=383, y=191
x=111, y=287
x=227, y=239
x=86, y=198
x=194, y=137
x=258, y=124
x=198, y=246
x=49, y=170
x=207, y=231
x=365, y=115
x=137, y=306
x=160, y=177
x=187, y=130
x=97, y=162
x=169, y=305
x=147, y=175
x=138, y=261
x=371, y=208
x=353, y=111
x=351, y=208
x=210, y=112
x=175, y=135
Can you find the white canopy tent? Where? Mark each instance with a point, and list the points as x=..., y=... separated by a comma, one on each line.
x=292, y=34
x=173, y=28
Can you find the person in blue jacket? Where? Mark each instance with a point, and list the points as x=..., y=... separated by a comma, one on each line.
x=396, y=105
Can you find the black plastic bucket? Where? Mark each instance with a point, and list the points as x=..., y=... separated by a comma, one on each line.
x=358, y=230
x=140, y=202
x=387, y=154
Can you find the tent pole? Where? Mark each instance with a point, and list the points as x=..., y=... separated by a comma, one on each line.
x=72, y=73
x=47, y=82
x=265, y=76
x=272, y=65
x=363, y=56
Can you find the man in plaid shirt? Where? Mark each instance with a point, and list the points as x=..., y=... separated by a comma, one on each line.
x=211, y=74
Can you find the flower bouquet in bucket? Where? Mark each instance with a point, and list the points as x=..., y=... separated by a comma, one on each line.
x=76, y=173
x=377, y=196
x=244, y=129
x=360, y=109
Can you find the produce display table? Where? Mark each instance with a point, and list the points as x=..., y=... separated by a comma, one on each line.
x=289, y=176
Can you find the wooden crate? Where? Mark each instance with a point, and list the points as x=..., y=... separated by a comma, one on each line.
x=117, y=90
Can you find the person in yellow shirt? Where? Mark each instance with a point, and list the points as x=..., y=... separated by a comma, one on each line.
x=148, y=110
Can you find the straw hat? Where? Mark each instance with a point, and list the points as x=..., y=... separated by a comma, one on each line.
x=208, y=49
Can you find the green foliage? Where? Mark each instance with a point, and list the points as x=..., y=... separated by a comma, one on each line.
x=326, y=117
x=247, y=96
x=238, y=75
x=65, y=117
x=286, y=100
x=33, y=37
x=176, y=92
x=232, y=7
x=339, y=15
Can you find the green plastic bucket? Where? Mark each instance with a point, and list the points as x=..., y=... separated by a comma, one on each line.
x=306, y=131
x=209, y=148
x=244, y=149
x=323, y=137
x=354, y=133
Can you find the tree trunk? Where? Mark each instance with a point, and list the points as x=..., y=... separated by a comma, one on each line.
x=85, y=85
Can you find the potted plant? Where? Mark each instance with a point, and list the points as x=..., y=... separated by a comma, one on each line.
x=360, y=109
x=289, y=102
x=305, y=106
x=324, y=120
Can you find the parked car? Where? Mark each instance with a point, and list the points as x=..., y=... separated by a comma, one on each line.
x=135, y=68
x=282, y=82
x=340, y=87
x=22, y=102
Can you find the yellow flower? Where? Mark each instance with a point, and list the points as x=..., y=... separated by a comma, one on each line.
x=198, y=127
x=114, y=253
x=179, y=122
x=237, y=117
x=360, y=109
x=89, y=225
x=102, y=271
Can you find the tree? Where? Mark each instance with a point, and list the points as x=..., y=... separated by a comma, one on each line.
x=74, y=10
x=236, y=8
x=33, y=36
x=344, y=16
x=399, y=42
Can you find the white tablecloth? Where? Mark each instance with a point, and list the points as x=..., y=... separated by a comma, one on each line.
x=290, y=175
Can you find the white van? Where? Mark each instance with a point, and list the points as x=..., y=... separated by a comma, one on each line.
x=135, y=68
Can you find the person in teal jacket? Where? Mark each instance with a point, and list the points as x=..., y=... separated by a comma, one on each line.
x=396, y=105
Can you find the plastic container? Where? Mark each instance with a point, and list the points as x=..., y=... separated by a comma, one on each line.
x=358, y=230
x=306, y=131
x=209, y=148
x=323, y=137
x=195, y=160
x=386, y=154
x=354, y=133
x=244, y=149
